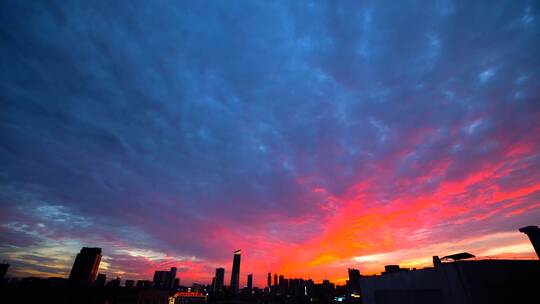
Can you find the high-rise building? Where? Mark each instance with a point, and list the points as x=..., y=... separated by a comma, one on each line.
x=220, y=279
x=354, y=280
x=269, y=280
x=165, y=279
x=281, y=278
x=160, y=278
x=85, y=267
x=235, y=274
x=250, y=282
x=275, y=279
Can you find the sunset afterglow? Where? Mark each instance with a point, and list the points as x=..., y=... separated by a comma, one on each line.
x=314, y=136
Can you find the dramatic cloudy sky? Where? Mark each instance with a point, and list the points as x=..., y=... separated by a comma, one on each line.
x=314, y=136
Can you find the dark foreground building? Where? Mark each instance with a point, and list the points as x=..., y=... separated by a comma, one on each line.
x=85, y=267
x=460, y=282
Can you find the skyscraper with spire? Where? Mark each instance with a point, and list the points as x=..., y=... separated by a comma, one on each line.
x=235, y=274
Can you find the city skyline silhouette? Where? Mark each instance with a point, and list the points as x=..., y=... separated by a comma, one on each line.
x=453, y=279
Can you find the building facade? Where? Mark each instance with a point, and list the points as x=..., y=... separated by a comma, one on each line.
x=85, y=267
x=460, y=282
x=235, y=274
x=220, y=279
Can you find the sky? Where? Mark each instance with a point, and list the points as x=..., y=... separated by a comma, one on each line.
x=315, y=136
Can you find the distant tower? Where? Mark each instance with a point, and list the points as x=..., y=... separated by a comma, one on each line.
x=250, y=282
x=275, y=279
x=235, y=274
x=85, y=267
x=269, y=280
x=533, y=232
x=220, y=279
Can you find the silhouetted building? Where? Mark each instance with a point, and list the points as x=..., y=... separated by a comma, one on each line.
x=275, y=279
x=269, y=280
x=85, y=267
x=461, y=281
x=160, y=278
x=325, y=291
x=100, y=280
x=220, y=279
x=393, y=268
x=176, y=283
x=129, y=283
x=250, y=282
x=144, y=284
x=3, y=270
x=172, y=277
x=354, y=281
x=164, y=279
x=114, y=283
x=235, y=274
x=533, y=232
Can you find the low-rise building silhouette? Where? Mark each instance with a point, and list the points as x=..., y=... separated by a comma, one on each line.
x=464, y=281
x=461, y=279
